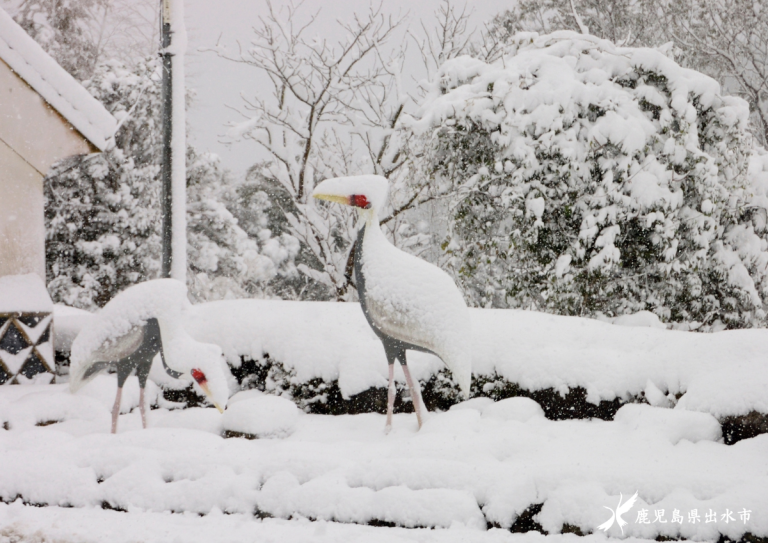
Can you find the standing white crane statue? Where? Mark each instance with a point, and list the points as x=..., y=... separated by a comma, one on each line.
x=138, y=324
x=409, y=303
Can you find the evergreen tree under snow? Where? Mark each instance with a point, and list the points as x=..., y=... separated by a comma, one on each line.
x=103, y=211
x=592, y=178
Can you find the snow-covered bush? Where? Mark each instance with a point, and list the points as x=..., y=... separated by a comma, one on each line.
x=726, y=40
x=103, y=211
x=596, y=178
x=262, y=203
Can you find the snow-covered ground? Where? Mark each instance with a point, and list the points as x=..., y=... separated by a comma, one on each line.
x=473, y=472
x=480, y=464
x=57, y=525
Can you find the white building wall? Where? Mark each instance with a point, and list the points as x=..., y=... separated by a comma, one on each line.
x=32, y=138
x=22, y=228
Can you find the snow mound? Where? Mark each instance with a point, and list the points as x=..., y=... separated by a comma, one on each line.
x=54, y=404
x=192, y=418
x=43, y=408
x=261, y=415
x=641, y=319
x=69, y=321
x=477, y=404
x=519, y=409
x=331, y=498
x=674, y=424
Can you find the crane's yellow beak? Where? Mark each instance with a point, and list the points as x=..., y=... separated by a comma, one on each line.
x=333, y=198
x=207, y=391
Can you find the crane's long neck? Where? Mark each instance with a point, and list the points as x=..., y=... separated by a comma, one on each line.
x=155, y=329
x=370, y=227
x=370, y=218
x=173, y=373
x=366, y=224
x=369, y=230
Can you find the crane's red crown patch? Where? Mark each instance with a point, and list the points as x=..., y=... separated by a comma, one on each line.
x=199, y=376
x=359, y=200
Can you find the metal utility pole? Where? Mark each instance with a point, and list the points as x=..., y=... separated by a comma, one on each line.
x=166, y=197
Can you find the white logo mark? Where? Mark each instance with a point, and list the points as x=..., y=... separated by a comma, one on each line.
x=616, y=515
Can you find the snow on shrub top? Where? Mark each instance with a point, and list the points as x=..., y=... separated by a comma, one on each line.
x=722, y=374
x=593, y=177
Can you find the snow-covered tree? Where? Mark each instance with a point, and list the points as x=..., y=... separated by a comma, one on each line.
x=261, y=204
x=84, y=33
x=225, y=260
x=726, y=39
x=65, y=30
x=596, y=178
x=630, y=22
x=103, y=211
x=333, y=111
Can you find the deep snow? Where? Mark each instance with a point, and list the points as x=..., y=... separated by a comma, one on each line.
x=480, y=463
x=61, y=525
x=478, y=466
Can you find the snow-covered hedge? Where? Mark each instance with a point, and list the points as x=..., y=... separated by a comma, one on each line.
x=309, y=349
x=593, y=178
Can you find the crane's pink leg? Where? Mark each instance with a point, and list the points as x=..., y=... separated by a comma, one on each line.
x=116, y=409
x=142, y=409
x=415, y=393
x=390, y=398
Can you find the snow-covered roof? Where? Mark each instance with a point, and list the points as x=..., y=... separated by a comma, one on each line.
x=25, y=57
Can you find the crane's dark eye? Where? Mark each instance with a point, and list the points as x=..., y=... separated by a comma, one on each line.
x=359, y=200
x=199, y=376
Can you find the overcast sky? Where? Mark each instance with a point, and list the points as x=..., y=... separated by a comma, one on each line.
x=219, y=83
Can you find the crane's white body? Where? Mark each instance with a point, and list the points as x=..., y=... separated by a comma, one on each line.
x=117, y=332
x=416, y=302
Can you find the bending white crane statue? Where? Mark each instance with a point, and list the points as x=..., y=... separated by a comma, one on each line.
x=131, y=330
x=409, y=303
